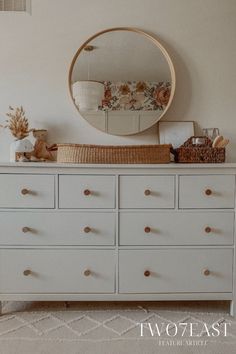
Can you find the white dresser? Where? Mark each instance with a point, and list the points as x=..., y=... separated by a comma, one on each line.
x=117, y=232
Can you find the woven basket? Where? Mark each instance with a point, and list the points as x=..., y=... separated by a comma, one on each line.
x=131, y=154
x=189, y=153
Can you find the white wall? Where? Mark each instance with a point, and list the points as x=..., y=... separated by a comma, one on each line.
x=35, y=54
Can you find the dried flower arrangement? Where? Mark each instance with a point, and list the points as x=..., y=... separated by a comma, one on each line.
x=22, y=149
x=17, y=123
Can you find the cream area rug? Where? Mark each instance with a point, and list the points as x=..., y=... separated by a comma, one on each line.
x=116, y=328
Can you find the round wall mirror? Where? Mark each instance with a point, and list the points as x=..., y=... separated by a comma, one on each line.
x=122, y=81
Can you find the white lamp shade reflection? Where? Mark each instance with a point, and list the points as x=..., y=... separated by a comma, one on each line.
x=88, y=95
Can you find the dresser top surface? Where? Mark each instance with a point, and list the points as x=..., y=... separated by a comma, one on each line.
x=119, y=166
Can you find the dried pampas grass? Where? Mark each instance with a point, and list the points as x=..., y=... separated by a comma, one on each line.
x=17, y=123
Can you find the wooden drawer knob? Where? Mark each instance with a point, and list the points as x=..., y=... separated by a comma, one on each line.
x=25, y=229
x=147, y=273
x=208, y=192
x=27, y=272
x=25, y=191
x=87, y=229
x=147, y=229
x=147, y=192
x=208, y=229
x=206, y=272
x=87, y=273
x=87, y=192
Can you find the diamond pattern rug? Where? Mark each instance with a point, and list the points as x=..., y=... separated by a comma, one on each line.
x=111, y=322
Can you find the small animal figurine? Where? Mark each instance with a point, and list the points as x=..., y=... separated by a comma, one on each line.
x=41, y=148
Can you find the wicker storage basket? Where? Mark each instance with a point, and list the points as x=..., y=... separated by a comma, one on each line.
x=189, y=153
x=128, y=154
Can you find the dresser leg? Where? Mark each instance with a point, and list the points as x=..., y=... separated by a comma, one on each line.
x=232, y=308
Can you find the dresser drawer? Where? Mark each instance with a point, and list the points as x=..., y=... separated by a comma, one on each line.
x=26, y=191
x=57, y=228
x=82, y=191
x=57, y=271
x=176, y=270
x=208, y=191
x=176, y=228
x=147, y=191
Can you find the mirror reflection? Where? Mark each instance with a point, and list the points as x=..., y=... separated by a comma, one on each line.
x=122, y=81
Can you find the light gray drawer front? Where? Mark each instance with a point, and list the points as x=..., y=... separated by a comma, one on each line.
x=147, y=192
x=57, y=228
x=175, y=271
x=26, y=191
x=57, y=271
x=176, y=228
x=208, y=191
x=82, y=191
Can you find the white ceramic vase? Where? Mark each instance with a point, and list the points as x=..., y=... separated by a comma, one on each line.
x=20, y=146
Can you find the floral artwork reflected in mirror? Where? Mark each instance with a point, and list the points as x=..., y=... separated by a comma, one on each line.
x=136, y=96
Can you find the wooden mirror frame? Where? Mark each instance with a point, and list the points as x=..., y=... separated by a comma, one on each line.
x=151, y=38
